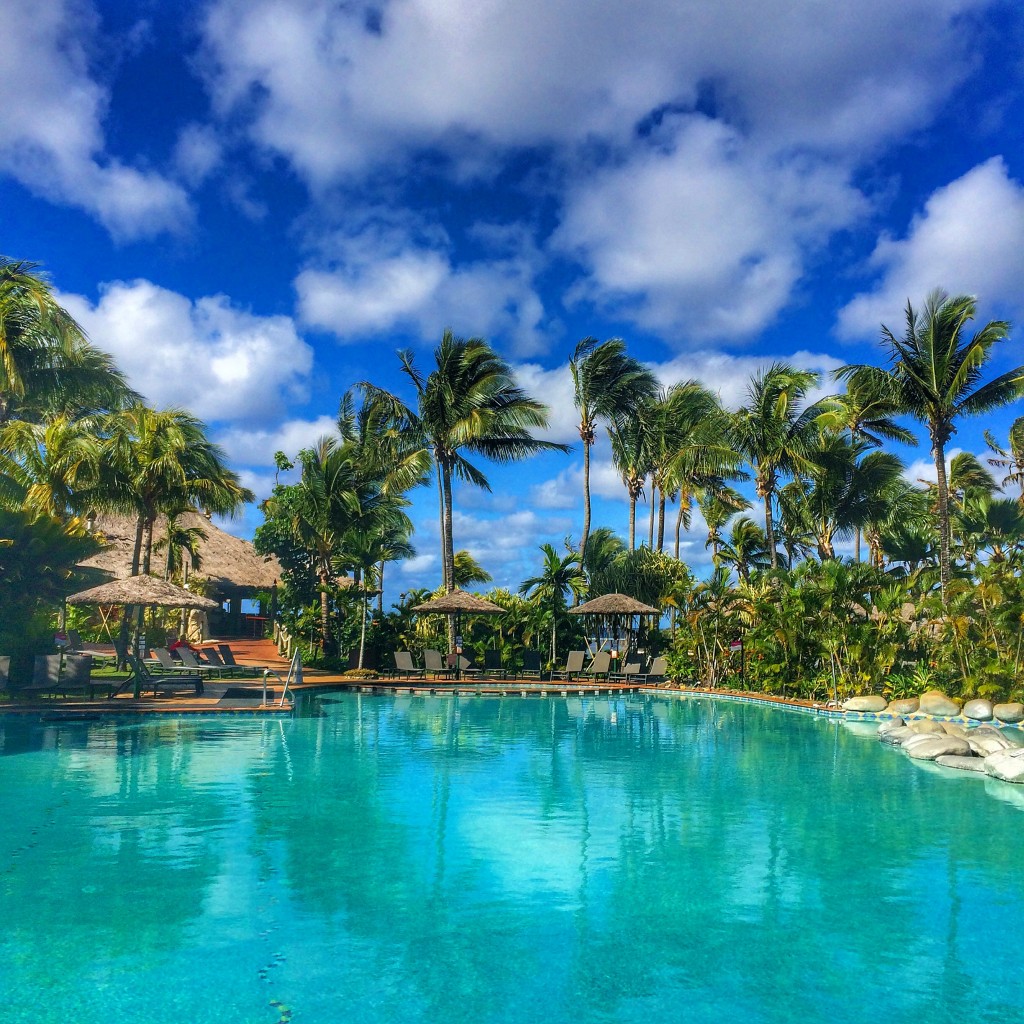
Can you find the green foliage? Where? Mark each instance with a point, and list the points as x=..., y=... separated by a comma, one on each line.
x=37, y=566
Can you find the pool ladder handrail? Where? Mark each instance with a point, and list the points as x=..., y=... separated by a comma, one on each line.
x=294, y=678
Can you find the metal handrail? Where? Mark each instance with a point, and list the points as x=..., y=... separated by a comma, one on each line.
x=294, y=677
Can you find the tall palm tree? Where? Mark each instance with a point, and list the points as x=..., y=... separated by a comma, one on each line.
x=631, y=456
x=46, y=364
x=718, y=507
x=469, y=405
x=559, y=576
x=773, y=434
x=866, y=410
x=607, y=384
x=936, y=374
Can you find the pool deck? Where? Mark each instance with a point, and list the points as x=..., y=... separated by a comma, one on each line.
x=232, y=696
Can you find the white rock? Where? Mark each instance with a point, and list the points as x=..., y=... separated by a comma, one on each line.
x=903, y=706
x=963, y=763
x=865, y=703
x=935, y=703
x=892, y=723
x=1009, y=712
x=1007, y=765
x=980, y=710
x=954, y=729
x=988, y=741
x=927, y=748
x=928, y=727
x=896, y=736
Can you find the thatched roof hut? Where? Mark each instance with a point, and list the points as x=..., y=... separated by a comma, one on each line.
x=613, y=604
x=227, y=561
x=234, y=570
x=458, y=602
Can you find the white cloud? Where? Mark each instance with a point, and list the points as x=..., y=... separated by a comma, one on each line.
x=197, y=153
x=706, y=238
x=334, y=87
x=967, y=239
x=256, y=447
x=383, y=276
x=51, y=138
x=223, y=363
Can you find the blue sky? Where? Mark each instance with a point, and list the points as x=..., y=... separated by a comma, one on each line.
x=253, y=203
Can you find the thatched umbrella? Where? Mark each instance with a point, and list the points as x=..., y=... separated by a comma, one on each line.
x=143, y=590
x=458, y=603
x=618, y=608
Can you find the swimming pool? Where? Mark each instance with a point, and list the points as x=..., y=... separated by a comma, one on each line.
x=483, y=860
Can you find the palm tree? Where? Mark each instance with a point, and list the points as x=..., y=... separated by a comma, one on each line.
x=773, y=434
x=630, y=454
x=468, y=405
x=559, y=576
x=607, y=384
x=936, y=375
x=1010, y=458
x=745, y=549
x=46, y=364
x=468, y=571
x=866, y=410
x=718, y=507
x=50, y=467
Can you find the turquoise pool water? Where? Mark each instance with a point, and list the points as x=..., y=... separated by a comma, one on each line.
x=431, y=860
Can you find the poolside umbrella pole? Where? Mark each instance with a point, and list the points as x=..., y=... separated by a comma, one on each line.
x=616, y=609
x=458, y=603
x=145, y=591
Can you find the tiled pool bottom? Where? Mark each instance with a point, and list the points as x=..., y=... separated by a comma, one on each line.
x=433, y=859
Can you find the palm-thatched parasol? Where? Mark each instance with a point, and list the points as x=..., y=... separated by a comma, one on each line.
x=458, y=603
x=619, y=608
x=144, y=590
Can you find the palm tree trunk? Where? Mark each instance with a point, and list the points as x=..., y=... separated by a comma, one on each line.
x=128, y=614
x=554, y=622
x=586, y=500
x=325, y=615
x=856, y=545
x=380, y=595
x=661, y=520
x=632, y=523
x=939, y=454
x=679, y=525
x=445, y=578
x=650, y=518
x=362, y=631
x=769, y=531
x=449, y=554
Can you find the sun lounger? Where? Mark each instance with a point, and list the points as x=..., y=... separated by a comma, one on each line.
x=433, y=664
x=599, y=667
x=165, y=661
x=532, y=667
x=656, y=673
x=215, y=661
x=157, y=684
x=189, y=660
x=573, y=666
x=228, y=657
x=493, y=666
x=404, y=665
x=631, y=671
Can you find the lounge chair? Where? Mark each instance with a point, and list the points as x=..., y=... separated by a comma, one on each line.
x=405, y=667
x=493, y=666
x=532, y=667
x=78, y=646
x=45, y=676
x=166, y=662
x=656, y=673
x=631, y=670
x=573, y=666
x=433, y=664
x=155, y=684
x=599, y=667
x=228, y=657
x=215, y=661
x=466, y=667
x=191, y=663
